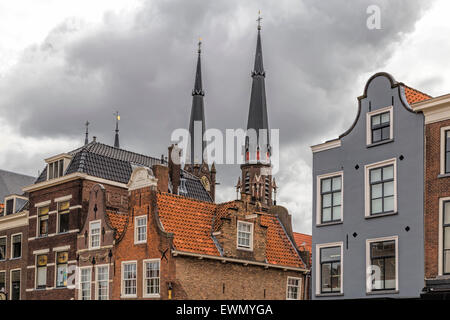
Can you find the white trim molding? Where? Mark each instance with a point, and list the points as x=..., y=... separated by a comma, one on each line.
x=368, y=262
x=241, y=247
x=144, y=286
x=122, y=287
x=369, y=116
x=326, y=145
x=317, y=269
x=319, y=178
x=441, y=236
x=367, y=197
x=61, y=199
x=435, y=109
x=300, y=288
x=442, y=149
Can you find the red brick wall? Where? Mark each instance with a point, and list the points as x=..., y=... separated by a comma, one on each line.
x=435, y=188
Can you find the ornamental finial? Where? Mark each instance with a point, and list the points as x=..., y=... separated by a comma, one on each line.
x=259, y=19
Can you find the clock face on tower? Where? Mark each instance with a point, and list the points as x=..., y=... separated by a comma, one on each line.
x=206, y=183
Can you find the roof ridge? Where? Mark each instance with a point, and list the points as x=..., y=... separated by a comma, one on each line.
x=16, y=173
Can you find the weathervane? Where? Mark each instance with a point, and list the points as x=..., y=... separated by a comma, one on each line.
x=259, y=19
x=86, y=140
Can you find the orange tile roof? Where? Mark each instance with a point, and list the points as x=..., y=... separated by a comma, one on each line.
x=1, y=207
x=304, y=241
x=118, y=221
x=414, y=95
x=193, y=221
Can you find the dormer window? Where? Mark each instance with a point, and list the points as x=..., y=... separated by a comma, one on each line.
x=9, y=209
x=57, y=165
x=379, y=126
x=245, y=235
x=13, y=204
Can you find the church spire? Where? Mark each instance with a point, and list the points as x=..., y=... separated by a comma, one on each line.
x=257, y=116
x=86, y=139
x=116, y=138
x=197, y=120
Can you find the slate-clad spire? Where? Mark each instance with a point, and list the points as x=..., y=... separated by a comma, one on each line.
x=86, y=138
x=116, y=138
x=197, y=114
x=257, y=116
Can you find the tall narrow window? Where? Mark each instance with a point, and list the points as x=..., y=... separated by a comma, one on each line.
x=383, y=263
x=245, y=235
x=140, y=229
x=2, y=281
x=15, y=285
x=16, y=251
x=151, y=278
x=447, y=151
x=62, y=259
x=9, y=209
x=331, y=199
x=102, y=282
x=382, y=190
x=129, y=278
x=381, y=127
x=446, y=237
x=3, y=248
x=43, y=221
x=85, y=283
x=94, y=234
x=41, y=271
x=330, y=270
x=63, y=216
x=293, y=288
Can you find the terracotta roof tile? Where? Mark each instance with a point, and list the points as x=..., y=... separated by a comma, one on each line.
x=303, y=241
x=118, y=221
x=414, y=95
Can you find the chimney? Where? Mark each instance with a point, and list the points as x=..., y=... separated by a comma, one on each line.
x=161, y=173
x=174, y=167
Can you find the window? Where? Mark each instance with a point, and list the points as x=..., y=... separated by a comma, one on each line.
x=381, y=188
x=63, y=216
x=446, y=237
x=43, y=221
x=293, y=288
x=140, y=229
x=61, y=268
x=56, y=169
x=15, y=284
x=9, y=206
x=151, y=278
x=85, y=283
x=330, y=270
x=379, y=125
x=129, y=279
x=102, y=282
x=2, y=281
x=382, y=264
x=94, y=234
x=445, y=150
x=41, y=271
x=331, y=199
x=3, y=248
x=245, y=235
x=16, y=246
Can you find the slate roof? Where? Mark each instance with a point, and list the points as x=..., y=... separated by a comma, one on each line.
x=192, y=223
x=12, y=183
x=110, y=163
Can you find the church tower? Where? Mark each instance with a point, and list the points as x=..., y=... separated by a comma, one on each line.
x=196, y=163
x=256, y=181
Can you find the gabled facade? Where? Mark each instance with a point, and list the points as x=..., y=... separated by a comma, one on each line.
x=368, y=199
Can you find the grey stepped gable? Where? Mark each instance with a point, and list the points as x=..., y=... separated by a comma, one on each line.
x=114, y=164
x=12, y=183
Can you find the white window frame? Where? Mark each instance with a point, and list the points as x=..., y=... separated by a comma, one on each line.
x=10, y=283
x=300, y=290
x=4, y=271
x=136, y=229
x=318, y=271
x=441, y=236
x=240, y=247
x=107, y=266
x=122, y=286
x=144, y=278
x=58, y=215
x=369, y=123
x=14, y=197
x=38, y=224
x=37, y=267
x=80, y=291
x=56, y=267
x=367, y=169
x=368, y=262
x=21, y=246
x=99, y=234
x=442, y=149
x=6, y=248
x=319, y=196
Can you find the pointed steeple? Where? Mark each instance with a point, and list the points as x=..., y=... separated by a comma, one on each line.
x=86, y=139
x=257, y=115
x=197, y=120
x=116, y=138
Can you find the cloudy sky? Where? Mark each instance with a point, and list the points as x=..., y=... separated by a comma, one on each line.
x=65, y=62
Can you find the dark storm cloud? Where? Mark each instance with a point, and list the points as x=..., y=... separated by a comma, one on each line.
x=143, y=65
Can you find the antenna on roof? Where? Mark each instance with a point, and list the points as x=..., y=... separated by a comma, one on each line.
x=116, y=138
x=86, y=139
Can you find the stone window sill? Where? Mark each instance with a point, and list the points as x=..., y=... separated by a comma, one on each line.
x=379, y=143
x=321, y=295
x=382, y=215
x=374, y=293
x=326, y=224
x=443, y=175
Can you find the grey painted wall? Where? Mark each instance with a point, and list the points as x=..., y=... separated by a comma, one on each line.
x=407, y=141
